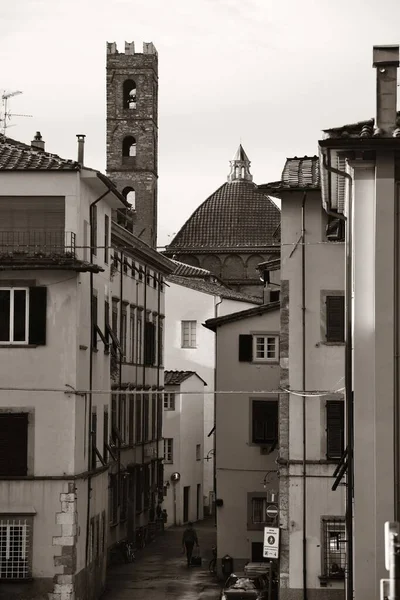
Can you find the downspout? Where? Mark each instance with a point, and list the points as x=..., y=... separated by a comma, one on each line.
x=91, y=287
x=216, y=304
x=303, y=383
x=144, y=370
x=348, y=372
x=396, y=364
x=121, y=357
x=158, y=395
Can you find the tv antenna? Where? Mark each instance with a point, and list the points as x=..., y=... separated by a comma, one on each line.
x=6, y=115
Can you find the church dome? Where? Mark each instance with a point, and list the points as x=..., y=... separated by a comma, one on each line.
x=236, y=215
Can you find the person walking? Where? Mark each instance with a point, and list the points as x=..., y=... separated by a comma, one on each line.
x=189, y=539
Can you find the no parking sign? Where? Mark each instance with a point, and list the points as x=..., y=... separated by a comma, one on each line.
x=271, y=542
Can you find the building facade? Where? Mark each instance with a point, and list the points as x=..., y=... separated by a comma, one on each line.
x=247, y=377
x=360, y=167
x=232, y=232
x=183, y=446
x=311, y=411
x=132, y=135
x=194, y=295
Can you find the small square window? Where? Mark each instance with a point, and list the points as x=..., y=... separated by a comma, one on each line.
x=266, y=347
x=169, y=400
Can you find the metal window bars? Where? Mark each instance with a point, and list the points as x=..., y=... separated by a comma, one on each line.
x=334, y=548
x=15, y=541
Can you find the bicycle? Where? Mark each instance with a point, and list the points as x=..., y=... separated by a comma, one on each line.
x=212, y=566
x=122, y=550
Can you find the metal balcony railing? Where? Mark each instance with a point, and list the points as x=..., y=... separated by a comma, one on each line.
x=37, y=243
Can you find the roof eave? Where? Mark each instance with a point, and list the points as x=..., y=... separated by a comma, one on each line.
x=212, y=324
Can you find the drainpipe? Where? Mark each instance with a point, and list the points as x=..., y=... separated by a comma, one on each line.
x=348, y=371
x=91, y=287
x=303, y=383
x=158, y=395
x=144, y=370
x=121, y=332
x=216, y=304
x=396, y=367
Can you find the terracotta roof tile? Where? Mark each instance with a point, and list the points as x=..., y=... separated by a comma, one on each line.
x=213, y=288
x=178, y=377
x=189, y=271
x=16, y=156
x=363, y=129
x=298, y=173
x=237, y=215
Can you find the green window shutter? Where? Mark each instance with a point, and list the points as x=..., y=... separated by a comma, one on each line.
x=334, y=428
x=245, y=348
x=335, y=318
x=37, y=315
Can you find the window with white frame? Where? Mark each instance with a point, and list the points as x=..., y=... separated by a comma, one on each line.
x=334, y=547
x=23, y=315
x=188, y=334
x=265, y=347
x=169, y=450
x=15, y=547
x=169, y=400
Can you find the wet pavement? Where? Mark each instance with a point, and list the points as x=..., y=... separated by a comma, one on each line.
x=160, y=572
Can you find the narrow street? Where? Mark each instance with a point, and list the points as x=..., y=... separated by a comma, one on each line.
x=160, y=572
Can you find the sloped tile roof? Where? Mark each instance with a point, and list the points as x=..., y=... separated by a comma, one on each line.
x=16, y=156
x=237, y=215
x=361, y=129
x=178, y=377
x=213, y=288
x=242, y=314
x=189, y=271
x=298, y=173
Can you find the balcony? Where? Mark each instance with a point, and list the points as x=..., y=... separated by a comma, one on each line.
x=41, y=249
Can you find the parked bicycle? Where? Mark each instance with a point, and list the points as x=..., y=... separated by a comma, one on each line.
x=122, y=551
x=212, y=567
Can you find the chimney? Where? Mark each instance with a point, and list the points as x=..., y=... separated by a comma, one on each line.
x=81, y=147
x=386, y=62
x=37, y=142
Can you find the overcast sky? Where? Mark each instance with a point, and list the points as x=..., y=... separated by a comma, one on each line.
x=272, y=74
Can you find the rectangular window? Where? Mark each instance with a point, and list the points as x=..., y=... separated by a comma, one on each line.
x=106, y=237
x=149, y=343
x=15, y=547
x=13, y=443
x=188, y=339
x=334, y=429
x=131, y=424
x=94, y=321
x=132, y=334
x=146, y=400
x=168, y=450
x=160, y=341
x=265, y=347
x=14, y=316
x=105, y=435
x=257, y=504
x=106, y=322
x=169, y=400
x=93, y=233
x=123, y=421
x=138, y=418
x=159, y=416
x=335, y=319
x=198, y=451
x=123, y=330
x=333, y=547
x=114, y=417
x=139, y=352
x=264, y=421
x=93, y=434
x=153, y=416
x=114, y=317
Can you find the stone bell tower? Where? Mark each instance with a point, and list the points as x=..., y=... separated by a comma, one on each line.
x=132, y=134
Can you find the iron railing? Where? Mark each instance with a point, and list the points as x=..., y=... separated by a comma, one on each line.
x=39, y=243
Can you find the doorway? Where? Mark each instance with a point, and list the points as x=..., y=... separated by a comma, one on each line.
x=186, y=498
x=198, y=498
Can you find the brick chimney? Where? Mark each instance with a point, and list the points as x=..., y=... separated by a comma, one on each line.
x=81, y=147
x=37, y=142
x=386, y=62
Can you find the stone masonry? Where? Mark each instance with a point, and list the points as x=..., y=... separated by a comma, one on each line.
x=65, y=562
x=138, y=172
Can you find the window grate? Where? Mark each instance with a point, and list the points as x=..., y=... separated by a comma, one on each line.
x=334, y=548
x=15, y=540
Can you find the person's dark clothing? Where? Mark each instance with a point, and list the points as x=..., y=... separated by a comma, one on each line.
x=189, y=539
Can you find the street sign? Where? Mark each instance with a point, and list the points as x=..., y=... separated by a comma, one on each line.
x=272, y=511
x=271, y=542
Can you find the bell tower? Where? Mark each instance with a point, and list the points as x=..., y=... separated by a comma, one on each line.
x=132, y=134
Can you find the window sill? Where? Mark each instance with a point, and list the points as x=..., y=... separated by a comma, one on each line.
x=325, y=578
x=189, y=347
x=16, y=580
x=330, y=344
x=18, y=346
x=265, y=361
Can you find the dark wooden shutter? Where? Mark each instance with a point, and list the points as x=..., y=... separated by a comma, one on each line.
x=265, y=421
x=335, y=318
x=245, y=348
x=334, y=428
x=149, y=343
x=14, y=444
x=37, y=315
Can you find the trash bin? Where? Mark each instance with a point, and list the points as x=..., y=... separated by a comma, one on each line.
x=227, y=565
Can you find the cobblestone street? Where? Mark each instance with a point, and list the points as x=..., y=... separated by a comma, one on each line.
x=160, y=572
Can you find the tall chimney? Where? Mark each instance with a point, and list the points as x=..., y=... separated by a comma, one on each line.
x=81, y=147
x=386, y=62
x=37, y=142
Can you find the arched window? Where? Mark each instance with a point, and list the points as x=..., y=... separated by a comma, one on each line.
x=130, y=195
x=129, y=95
x=129, y=146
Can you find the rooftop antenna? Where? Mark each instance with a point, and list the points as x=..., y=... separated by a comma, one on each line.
x=6, y=116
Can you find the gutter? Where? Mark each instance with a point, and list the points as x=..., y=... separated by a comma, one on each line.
x=348, y=371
